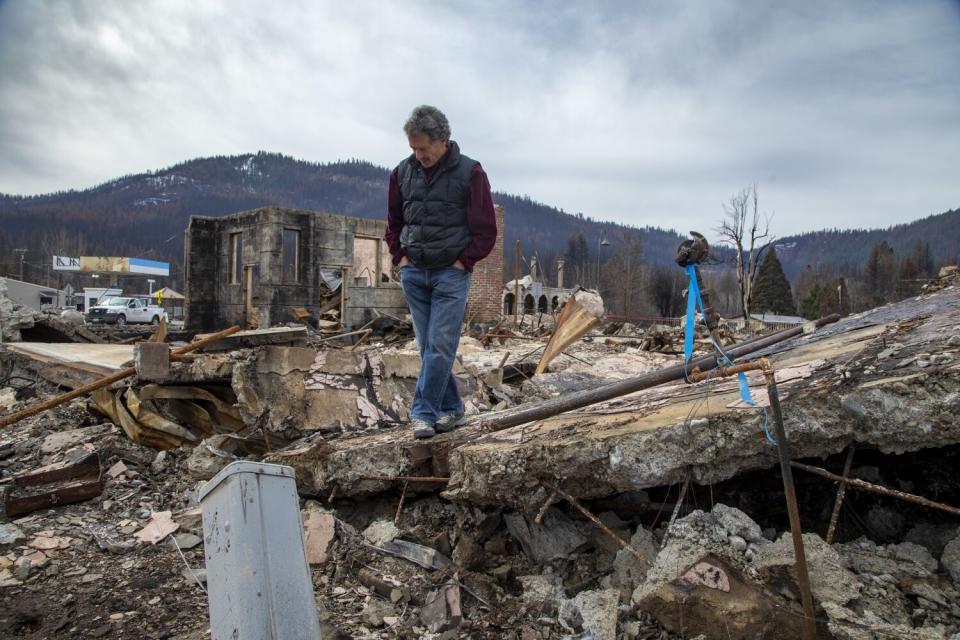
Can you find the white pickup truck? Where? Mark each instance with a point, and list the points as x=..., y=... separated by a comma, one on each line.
x=121, y=311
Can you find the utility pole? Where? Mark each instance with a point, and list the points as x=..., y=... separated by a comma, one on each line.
x=516, y=286
x=22, y=253
x=601, y=242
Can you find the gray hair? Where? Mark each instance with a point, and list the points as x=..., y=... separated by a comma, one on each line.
x=428, y=120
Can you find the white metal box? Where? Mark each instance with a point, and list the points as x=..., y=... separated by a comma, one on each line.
x=258, y=580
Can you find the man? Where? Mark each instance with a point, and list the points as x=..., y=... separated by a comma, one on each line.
x=440, y=222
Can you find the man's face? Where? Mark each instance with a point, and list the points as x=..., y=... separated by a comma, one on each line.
x=428, y=152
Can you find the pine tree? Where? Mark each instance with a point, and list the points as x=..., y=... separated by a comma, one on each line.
x=771, y=291
x=813, y=301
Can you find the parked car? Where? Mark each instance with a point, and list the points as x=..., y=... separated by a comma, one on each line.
x=121, y=311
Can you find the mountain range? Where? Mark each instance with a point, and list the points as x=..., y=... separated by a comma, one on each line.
x=145, y=215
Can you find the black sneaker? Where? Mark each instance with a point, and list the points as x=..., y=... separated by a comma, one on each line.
x=448, y=422
x=422, y=429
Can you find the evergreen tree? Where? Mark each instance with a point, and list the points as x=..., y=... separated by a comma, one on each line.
x=811, y=303
x=771, y=291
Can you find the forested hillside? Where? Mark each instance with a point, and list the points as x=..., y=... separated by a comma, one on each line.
x=145, y=215
x=847, y=250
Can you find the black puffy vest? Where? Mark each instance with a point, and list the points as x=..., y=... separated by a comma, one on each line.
x=435, y=230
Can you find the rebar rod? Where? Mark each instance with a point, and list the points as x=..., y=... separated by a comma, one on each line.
x=841, y=494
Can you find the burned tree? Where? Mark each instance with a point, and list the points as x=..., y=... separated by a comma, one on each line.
x=748, y=232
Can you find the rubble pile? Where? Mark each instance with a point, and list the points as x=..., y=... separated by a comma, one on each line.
x=13, y=317
x=565, y=527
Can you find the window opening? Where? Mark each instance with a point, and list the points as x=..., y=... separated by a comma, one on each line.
x=290, y=255
x=236, y=258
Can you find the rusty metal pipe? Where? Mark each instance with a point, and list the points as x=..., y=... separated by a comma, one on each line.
x=783, y=450
x=875, y=488
x=577, y=400
x=724, y=372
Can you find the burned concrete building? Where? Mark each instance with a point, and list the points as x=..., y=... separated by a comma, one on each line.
x=257, y=268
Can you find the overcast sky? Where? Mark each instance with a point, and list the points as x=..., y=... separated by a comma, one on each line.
x=846, y=114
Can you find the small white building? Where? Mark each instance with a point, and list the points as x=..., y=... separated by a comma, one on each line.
x=93, y=295
x=33, y=296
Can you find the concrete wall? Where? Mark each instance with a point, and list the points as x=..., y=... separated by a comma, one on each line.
x=214, y=302
x=326, y=240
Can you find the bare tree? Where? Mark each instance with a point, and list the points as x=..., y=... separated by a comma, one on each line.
x=623, y=274
x=749, y=232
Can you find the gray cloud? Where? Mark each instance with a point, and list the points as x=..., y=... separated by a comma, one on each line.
x=846, y=114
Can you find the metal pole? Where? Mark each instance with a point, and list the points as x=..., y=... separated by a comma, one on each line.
x=841, y=493
x=516, y=286
x=598, y=261
x=579, y=399
x=783, y=449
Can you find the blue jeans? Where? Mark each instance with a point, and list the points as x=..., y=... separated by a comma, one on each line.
x=438, y=303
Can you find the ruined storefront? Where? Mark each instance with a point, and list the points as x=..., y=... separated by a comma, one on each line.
x=255, y=268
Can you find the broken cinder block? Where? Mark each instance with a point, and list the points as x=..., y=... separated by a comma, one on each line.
x=152, y=360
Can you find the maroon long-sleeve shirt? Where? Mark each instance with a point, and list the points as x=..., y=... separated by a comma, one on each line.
x=481, y=219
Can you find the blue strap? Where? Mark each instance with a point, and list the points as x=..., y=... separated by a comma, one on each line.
x=694, y=300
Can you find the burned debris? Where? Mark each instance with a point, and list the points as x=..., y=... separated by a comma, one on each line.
x=598, y=487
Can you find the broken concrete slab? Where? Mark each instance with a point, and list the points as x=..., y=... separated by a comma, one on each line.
x=207, y=459
x=300, y=391
x=75, y=364
x=951, y=559
x=691, y=590
x=830, y=580
x=700, y=583
x=629, y=570
x=542, y=588
x=596, y=612
x=902, y=560
x=656, y=437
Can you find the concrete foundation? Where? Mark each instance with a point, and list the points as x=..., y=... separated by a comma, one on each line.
x=887, y=379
